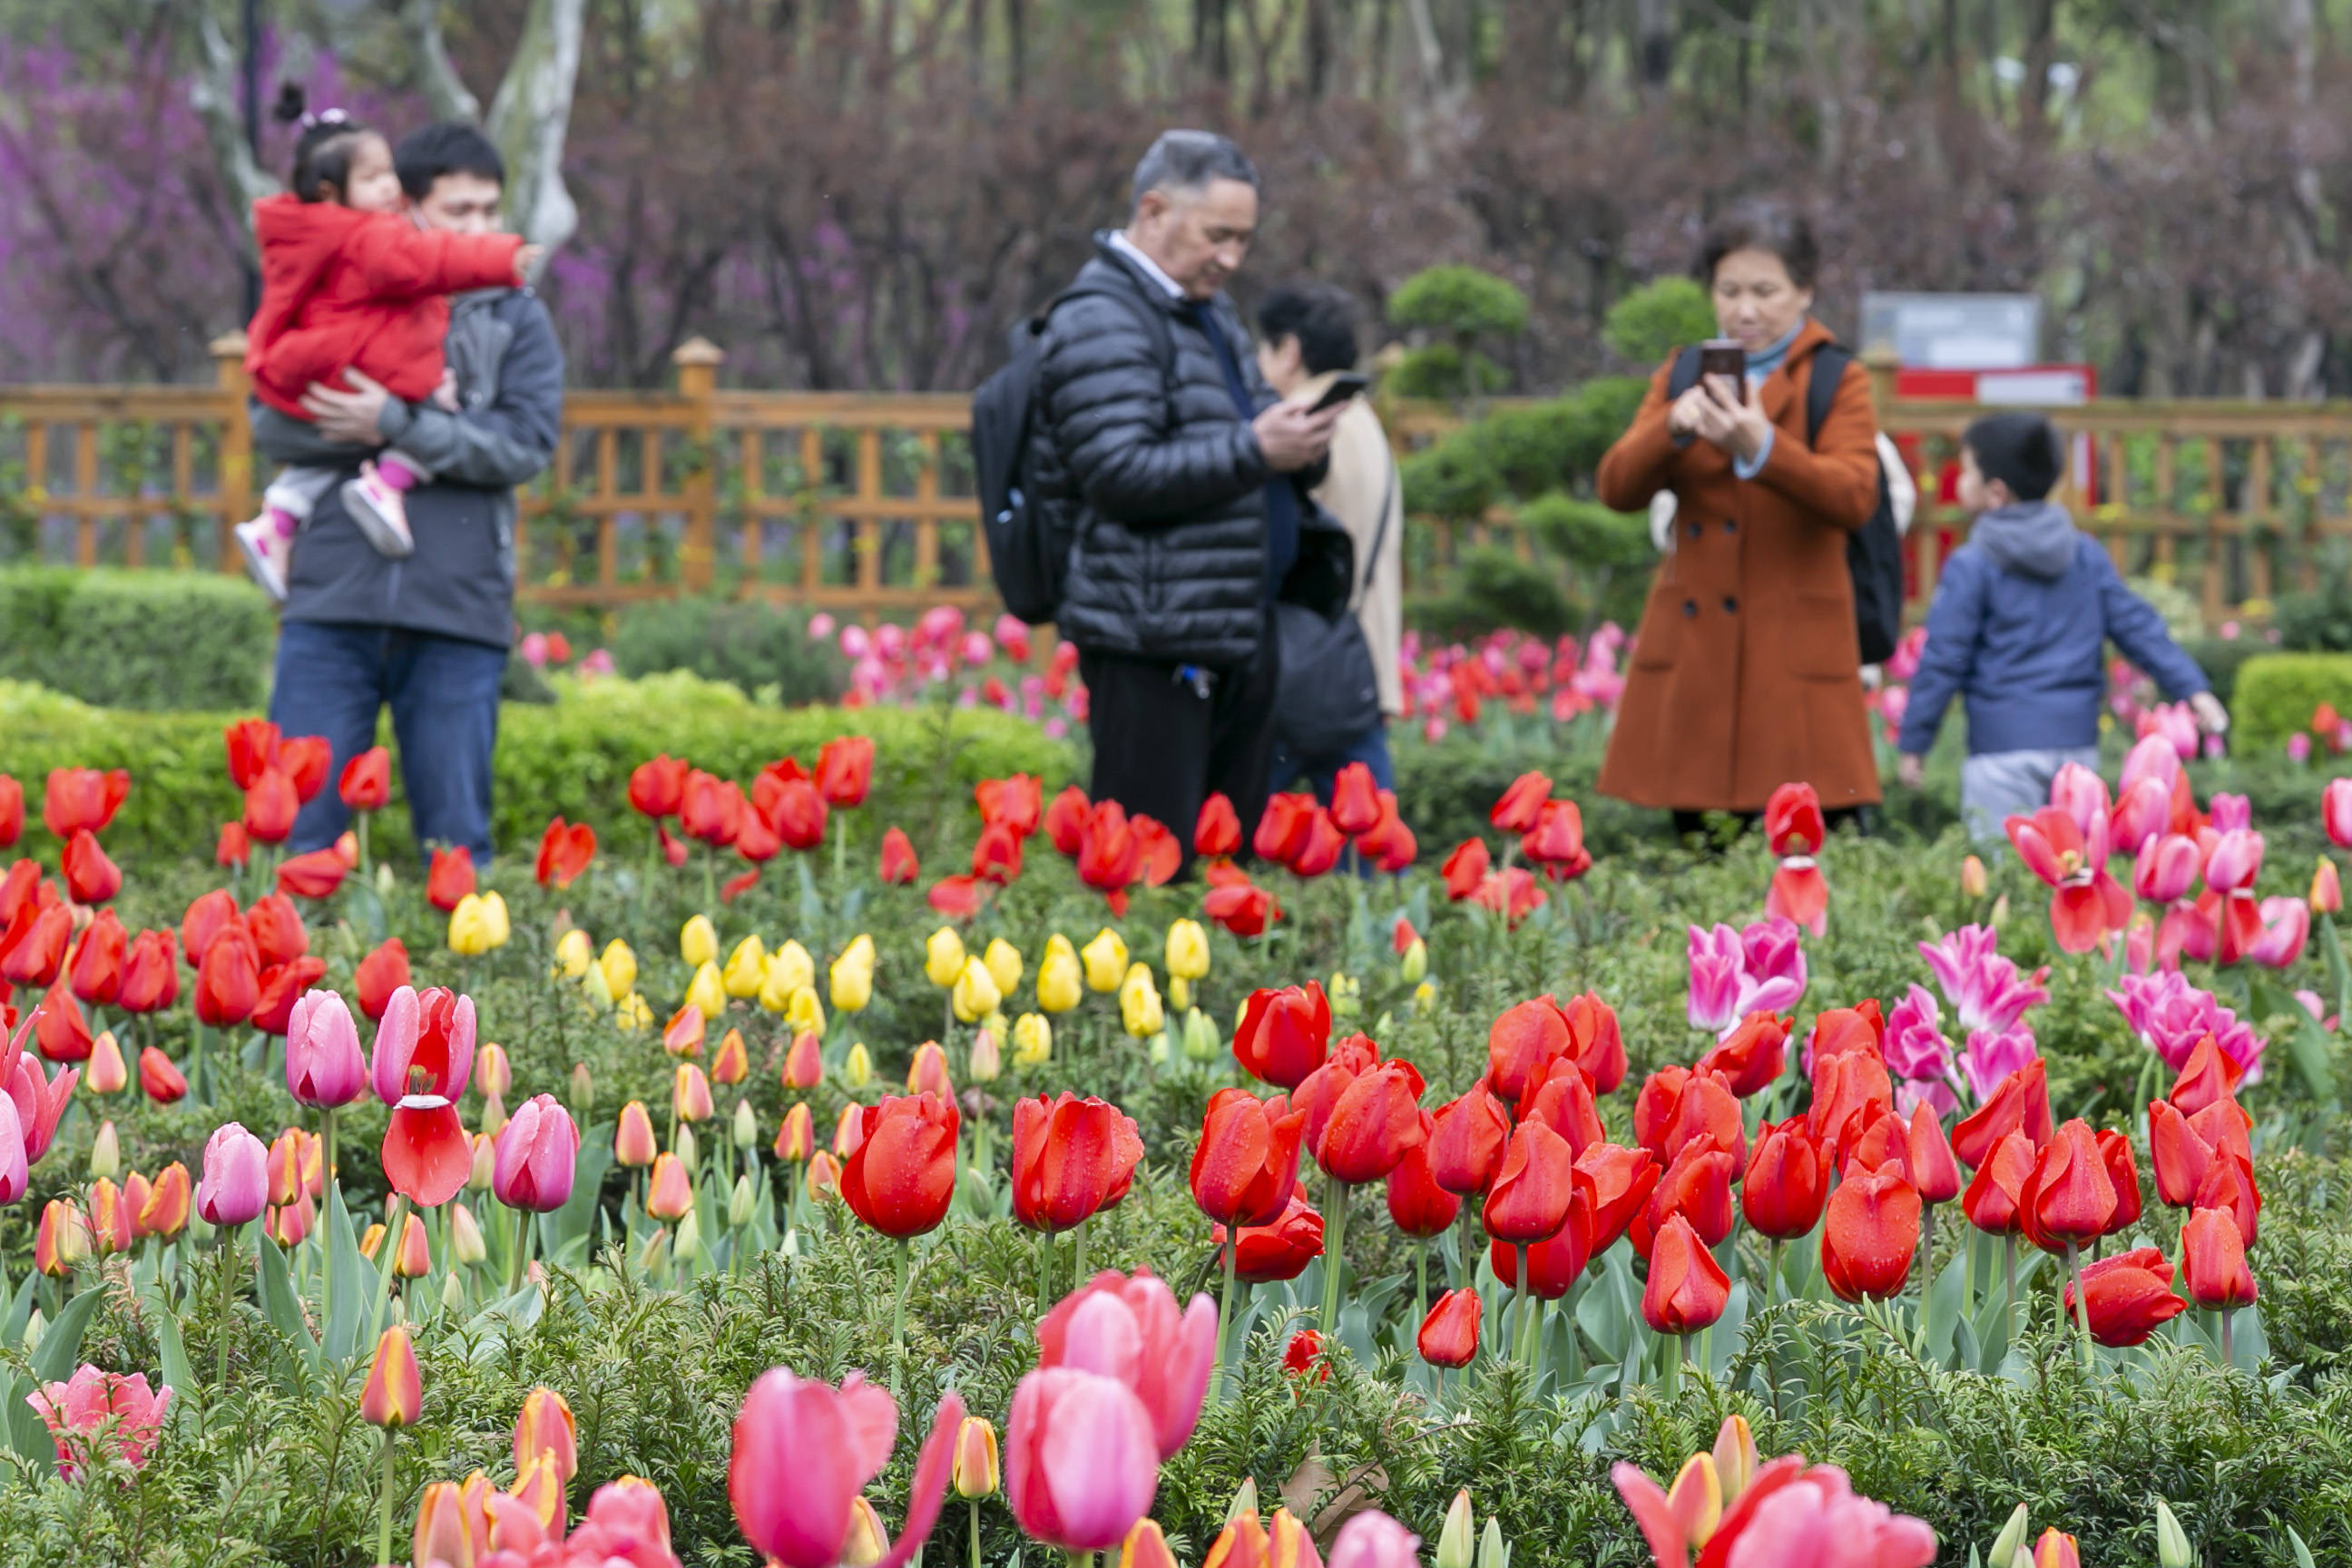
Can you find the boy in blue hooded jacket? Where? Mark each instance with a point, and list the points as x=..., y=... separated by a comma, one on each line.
x=2018, y=631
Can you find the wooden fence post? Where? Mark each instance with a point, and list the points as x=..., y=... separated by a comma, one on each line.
x=236, y=490
x=1882, y=364
x=697, y=361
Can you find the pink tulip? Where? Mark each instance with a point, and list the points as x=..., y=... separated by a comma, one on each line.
x=417, y=1037
x=93, y=1409
x=1081, y=1461
x=804, y=1451
x=1788, y=1515
x=2171, y=1016
x=536, y=1154
x=2081, y=795
x=1985, y=989
x=2336, y=812
x=2141, y=813
x=1129, y=1329
x=2166, y=867
x=323, y=1064
x=2236, y=860
x=1992, y=1054
x=2286, y=926
x=2232, y=812
x=1914, y=1047
x=1774, y=958
x=234, y=1187
x=1373, y=1540
x=2151, y=757
x=39, y=1100
x=1716, y=963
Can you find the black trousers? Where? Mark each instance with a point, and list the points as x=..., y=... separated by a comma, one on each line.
x=1687, y=823
x=1163, y=745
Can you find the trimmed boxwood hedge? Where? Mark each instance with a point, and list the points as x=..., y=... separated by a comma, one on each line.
x=572, y=757
x=137, y=639
x=2276, y=693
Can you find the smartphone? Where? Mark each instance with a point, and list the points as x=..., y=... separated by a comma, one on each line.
x=1723, y=356
x=1344, y=386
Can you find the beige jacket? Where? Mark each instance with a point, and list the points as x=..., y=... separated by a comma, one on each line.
x=1362, y=480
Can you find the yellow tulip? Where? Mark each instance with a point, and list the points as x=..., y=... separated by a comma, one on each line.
x=943, y=957
x=1424, y=994
x=1033, y=1041
x=860, y=950
x=620, y=967
x=593, y=983
x=1003, y=961
x=1106, y=960
x=852, y=983
x=747, y=966
x=1180, y=992
x=707, y=990
x=1060, y=987
x=573, y=953
x=632, y=1013
x=791, y=967
x=976, y=995
x=494, y=915
x=1138, y=1003
x=776, y=986
x=804, y=1012
x=1414, y=963
x=857, y=1067
x=1058, y=945
x=1188, y=950
x=469, y=927
x=698, y=940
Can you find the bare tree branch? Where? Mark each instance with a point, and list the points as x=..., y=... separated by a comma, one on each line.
x=444, y=90
x=214, y=96
x=530, y=115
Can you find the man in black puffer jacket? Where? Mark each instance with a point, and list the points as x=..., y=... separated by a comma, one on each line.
x=1181, y=481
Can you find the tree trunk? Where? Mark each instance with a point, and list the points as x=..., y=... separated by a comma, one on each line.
x=1654, y=22
x=532, y=114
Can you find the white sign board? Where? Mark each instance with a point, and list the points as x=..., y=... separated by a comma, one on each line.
x=1955, y=331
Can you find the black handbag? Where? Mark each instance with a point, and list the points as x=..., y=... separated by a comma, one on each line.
x=1329, y=696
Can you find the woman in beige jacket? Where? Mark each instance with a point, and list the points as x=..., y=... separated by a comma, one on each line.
x=1306, y=335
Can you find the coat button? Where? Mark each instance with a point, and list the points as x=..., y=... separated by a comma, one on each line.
x=1730, y=605
x=1690, y=608
x=1697, y=529
x=1731, y=525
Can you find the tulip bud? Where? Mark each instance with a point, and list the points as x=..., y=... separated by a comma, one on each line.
x=633, y=1141
x=1200, y=1041
x=1454, y=1541
x=2326, y=889
x=732, y=1065
x=682, y=1144
x=633, y=1013
x=35, y=1326
x=747, y=969
x=706, y=992
x=2011, y=1539
x=371, y=1240
x=485, y=1164
x=415, y=1259
x=1494, y=1552
x=849, y=1130
x=1105, y=961
x=1002, y=961
x=575, y=953
x=655, y=1253
x=796, y=1138
x=1973, y=881
x=2172, y=1548
x=867, y=1542
x=1245, y=1499
x=1138, y=1003
x=62, y=1240
x=975, y=1473
x=1414, y=963
x=857, y=1067
x=943, y=957
x=492, y=1071
x=987, y=1061
x=544, y=1427
x=105, y=1152
x=788, y=970
x=600, y=992
x=1060, y=982
x=1146, y=1547
x=584, y=1090
x=464, y=1235
x=746, y=1131
x=976, y=993
x=452, y=1294
x=740, y=1204
x=1033, y=1041
x=394, y=1395
x=107, y=1074
x=698, y=940
x=688, y=1247
x=671, y=1195
x=690, y=1094
x=806, y=1013
x=1346, y=994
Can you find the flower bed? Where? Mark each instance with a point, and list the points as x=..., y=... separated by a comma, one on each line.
x=1536, y=1159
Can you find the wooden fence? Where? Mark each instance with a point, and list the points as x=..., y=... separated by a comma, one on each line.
x=863, y=503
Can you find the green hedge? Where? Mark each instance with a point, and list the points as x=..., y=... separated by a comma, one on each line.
x=2276, y=693
x=137, y=639
x=572, y=757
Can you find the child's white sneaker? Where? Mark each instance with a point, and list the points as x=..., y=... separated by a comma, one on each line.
x=380, y=514
x=267, y=553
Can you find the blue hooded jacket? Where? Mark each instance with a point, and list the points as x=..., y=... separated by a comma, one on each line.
x=2018, y=630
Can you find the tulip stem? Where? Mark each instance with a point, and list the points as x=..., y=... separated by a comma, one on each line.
x=327, y=1170
x=1772, y=1278
x=2082, y=1304
x=384, y=1502
x=1927, y=1259
x=1520, y=1277
x=2008, y=1290
x=973, y=1504
x=1044, y=1271
x=387, y=1257
x=898, y=1319
x=1335, y=1230
x=2227, y=1316
x=1078, y=1248
x=1675, y=1367
x=1225, y=1311
x=516, y=1263
x=362, y=826
x=225, y=1244
x=1420, y=1285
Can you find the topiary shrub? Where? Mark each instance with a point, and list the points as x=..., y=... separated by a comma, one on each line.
x=2277, y=692
x=149, y=641
x=1653, y=321
x=747, y=642
x=1455, y=306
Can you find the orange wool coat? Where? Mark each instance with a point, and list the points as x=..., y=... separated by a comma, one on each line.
x=1745, y=672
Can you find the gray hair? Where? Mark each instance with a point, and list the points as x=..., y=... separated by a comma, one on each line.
x=1189, y=160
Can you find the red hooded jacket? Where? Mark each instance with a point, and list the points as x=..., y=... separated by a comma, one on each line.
x=368, y=291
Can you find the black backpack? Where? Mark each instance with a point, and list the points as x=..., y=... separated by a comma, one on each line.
x=1874, y=553
x=1028, y=551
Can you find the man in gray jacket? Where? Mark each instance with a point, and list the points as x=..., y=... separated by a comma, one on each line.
x=427, y=634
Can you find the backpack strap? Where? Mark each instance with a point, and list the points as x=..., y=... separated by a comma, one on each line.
x=1829, y=370
x=1684, y=375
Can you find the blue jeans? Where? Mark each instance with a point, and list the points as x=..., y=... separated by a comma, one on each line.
x=333, y=679
x=1372, y=749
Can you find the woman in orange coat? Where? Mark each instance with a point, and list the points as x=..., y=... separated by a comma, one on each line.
x=1746, y=671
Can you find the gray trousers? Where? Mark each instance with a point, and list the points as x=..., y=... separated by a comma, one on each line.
x=1996, y=784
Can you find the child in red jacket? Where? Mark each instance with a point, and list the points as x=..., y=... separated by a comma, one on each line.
x=348, y=283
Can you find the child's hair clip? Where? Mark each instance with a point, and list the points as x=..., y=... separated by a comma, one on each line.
x=325, y=117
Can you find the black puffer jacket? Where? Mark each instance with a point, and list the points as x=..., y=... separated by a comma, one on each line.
x=1154, y=476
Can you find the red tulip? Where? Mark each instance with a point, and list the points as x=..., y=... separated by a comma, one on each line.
x=207, y=916
x=1558, y=837
x=1530, y=1199
x=276, y=927
x=657, y=789
x=12, y=811
x=304, y=760
x=1245, y=1166
x=1615, y=1183
x=1318, y=849
x=270, y=807
x=1522, y=804
x=2123, y=1171
x=2128, y=1297
x=1702, y=1111
x=1417, y=1204
x=1995, y=1198
x=712, y=809
x=234, y=846
x=382, y=972
x=1449, y=1336
x=35, y=944
x=159, y=1079
x=282, y=985
x=449, y=878
x=1464, y=871
x=316, y=874
x=1157, y=851
x=1282, y=827
x=1787, y=1181
x=1869, y=1234
x=1016, y=803
x=1355, y=800
x=564, y=851
x=901, y=1176
x=150, y=974
x=898, y=867
x=803, y=1453
x=1374, y=1123
x=844, y=769
x=1928, y=1159
x=1687, y=1289
x=366, y=781
x=2207, y=1077
x=82, y=798
x=1066, y=820
x=1070, y=1157
x=1110, y=858
x=1284, y=1035
x=995, y=854
x=1595, y=1041
x=1750, y=1058
x=1521, y=1044
x=95, y=971
x=1554, y=1263
x=1216, y=834
x=2070, y=1198
x=90, y=877
x=2020, y=1103
x=2214, y=1262
x=1273, y=1253
x=228, y=979
x=1696, y=1185
x=1240, y=907
x=1563, y=1101
x=1349, y=1060
x=1466, y=1141
x=798, y=813
x=2230, y=1185
x=59, y=1028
